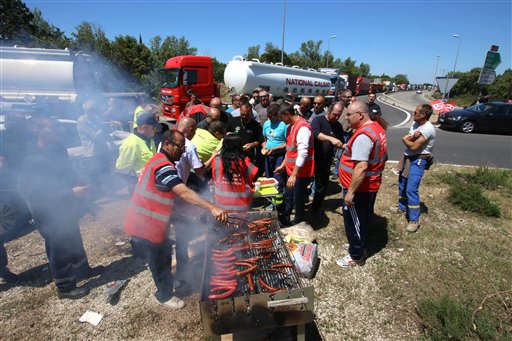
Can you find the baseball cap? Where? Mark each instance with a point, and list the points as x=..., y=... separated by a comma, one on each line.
x=146, y=118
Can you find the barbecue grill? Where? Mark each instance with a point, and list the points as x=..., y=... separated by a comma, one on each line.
x=277, y=296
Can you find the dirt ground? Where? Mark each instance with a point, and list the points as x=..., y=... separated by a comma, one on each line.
x=374, y=302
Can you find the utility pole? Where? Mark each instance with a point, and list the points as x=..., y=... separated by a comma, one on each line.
x=284, y=20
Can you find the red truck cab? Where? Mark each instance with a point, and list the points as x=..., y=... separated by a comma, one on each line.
x=184, y=73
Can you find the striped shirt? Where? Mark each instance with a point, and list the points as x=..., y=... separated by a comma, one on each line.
x=167, y=177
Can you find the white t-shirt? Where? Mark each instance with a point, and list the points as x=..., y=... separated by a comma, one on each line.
x=429, y=133
x=361, y=148
x=189, y=160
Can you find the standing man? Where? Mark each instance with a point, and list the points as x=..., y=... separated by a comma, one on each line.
x=213, y=115
x=328, y=134
x=55, y=198
x=362, y=163
x=137, y=149
x=298, y=163
x=305, y=108
x=151, y=209
x=262, y=106
x=249, y=131
x=419, y=144
x=216, y=103
x=373, y=107
x=346, y=98
x=318, y=107
x=235, y=103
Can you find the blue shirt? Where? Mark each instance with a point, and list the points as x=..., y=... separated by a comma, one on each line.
x=274, y=133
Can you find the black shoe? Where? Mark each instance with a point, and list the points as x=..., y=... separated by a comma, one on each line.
x=74, y=294
x=91, y=272
x=9, y=277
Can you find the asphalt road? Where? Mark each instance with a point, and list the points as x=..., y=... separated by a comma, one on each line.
x=451, y=147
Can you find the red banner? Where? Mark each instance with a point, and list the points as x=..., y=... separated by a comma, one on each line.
x=440, y=107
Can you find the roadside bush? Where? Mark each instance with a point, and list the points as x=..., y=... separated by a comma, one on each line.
x=447, y=319
x=466, y=189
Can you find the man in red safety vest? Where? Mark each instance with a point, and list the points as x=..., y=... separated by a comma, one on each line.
x=298, y=162
x=360, y=173
x=150, y=211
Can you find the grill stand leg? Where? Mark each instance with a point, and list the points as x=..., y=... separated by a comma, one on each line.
x=301, y=332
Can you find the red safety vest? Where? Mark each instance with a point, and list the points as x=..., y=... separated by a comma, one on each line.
x=150, y=209
x=308, y=169
x=235, y=197
x=376, y=162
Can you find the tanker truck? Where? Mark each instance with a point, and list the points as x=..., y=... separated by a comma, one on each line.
x=184, y=74
x=52, y=76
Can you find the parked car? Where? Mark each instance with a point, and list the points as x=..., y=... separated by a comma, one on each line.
x=15, y=216
x=485, y=117
x=419, y=92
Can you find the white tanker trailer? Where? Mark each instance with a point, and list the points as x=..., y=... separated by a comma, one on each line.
x=36, y=74
x=243, y=76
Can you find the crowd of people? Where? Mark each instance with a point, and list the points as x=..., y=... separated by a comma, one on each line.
x=169, y=171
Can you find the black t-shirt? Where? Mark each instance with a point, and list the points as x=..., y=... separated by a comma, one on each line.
x=374, y=109
x=249, y=132
x=324, y=150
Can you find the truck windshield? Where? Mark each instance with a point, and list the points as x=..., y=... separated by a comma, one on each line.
x=170, y=77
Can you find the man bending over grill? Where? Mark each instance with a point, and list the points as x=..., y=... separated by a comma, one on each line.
x=151, y=209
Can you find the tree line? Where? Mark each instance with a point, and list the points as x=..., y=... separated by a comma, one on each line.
x=138, y=64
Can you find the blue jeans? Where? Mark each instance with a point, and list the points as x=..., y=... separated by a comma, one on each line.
x=159, y=258
x=408, y=189
x=295, y=198
x=363, y=204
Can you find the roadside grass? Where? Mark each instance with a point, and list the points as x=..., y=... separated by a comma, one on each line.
x=440, y=283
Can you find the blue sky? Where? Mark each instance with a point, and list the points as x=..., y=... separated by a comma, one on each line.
x=401, y=36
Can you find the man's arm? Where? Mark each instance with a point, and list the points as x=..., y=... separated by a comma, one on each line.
x=413, y=143
x=193, y=198
x=332, y=140
x=358, y=176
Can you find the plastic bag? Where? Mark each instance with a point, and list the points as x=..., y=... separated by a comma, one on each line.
x=305, y=257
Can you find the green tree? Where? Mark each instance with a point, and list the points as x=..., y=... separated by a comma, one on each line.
x=401, y=79
x=16, y=26
x=348, y=66
x=253, y=52
x=47, y=35
x=308, y=55
x=272, y=54
x=501, y=89
x=91, y=39
x=218, y=70
x=132, y=57
x=364, y=69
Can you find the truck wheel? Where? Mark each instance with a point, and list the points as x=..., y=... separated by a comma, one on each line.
x=467, y=127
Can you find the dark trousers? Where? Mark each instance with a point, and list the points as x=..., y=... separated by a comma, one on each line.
x=159, y=259
x=3, y=257
x=65, y=251
x=295, y=198
x=322, y=173
x=271, y=162
x=364, y=203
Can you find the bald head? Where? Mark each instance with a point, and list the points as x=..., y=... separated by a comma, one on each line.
x=188, y=127
x=216, y=103
x=304, y=105
x=213, y=115
x=357, y=114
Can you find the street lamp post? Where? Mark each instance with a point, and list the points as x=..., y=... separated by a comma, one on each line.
x=329, y=48
x=455, y=64
x=435, y=74
x=282, y=45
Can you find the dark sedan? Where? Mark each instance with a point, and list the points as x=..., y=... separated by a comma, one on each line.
x=488, y=117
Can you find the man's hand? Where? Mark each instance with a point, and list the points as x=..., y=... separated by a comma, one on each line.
x=349, y=199
x=337, y=143
x=219, y=214
x=80, y=191
x=269, y=151
x=279, y=169
x=291, y=181
x=247, y=147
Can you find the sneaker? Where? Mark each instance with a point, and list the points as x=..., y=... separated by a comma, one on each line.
x=396, y=209
x=174, y=303
x=348, y=262
x=413, y=226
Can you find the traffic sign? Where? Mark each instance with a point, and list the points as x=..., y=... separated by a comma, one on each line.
x=445, y=84
x=492, y=60
x=487, y=77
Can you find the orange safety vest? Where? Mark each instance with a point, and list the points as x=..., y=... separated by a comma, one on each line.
x=235, y=197
x=376, y=161
x=150, y=209
x=308, y=169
